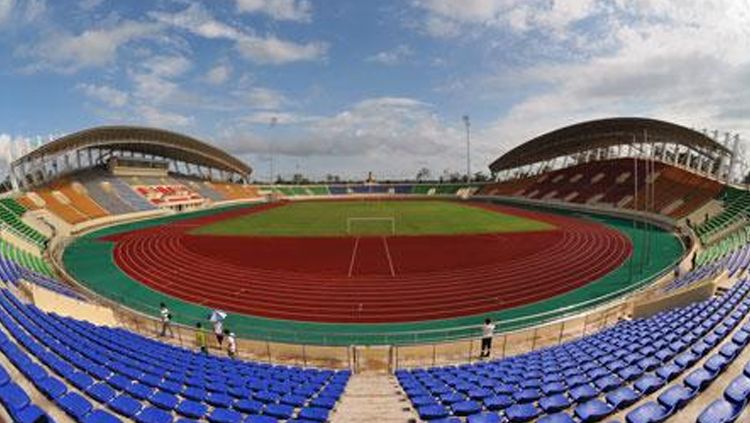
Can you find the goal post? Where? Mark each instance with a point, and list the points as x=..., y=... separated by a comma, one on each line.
x=371, y=225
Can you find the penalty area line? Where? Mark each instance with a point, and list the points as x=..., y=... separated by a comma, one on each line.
x=354, y=256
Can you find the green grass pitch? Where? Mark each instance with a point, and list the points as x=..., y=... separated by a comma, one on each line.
x=329, y=218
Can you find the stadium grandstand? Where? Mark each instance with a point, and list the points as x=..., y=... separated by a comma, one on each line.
x=612, y=255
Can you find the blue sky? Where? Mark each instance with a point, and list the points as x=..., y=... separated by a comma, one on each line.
x=361, y=86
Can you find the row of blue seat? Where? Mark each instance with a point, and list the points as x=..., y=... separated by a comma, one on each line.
x=596, y=375
x=734, y=262
x=148, y=381
x=11, y=272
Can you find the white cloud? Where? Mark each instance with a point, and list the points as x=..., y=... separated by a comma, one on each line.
x=162, y=118
x=105, y=94
x=154, y=79
x=679, y=61
x=275, y=51
x=219, y=74
x=271, y=118
x=263, y=98
x=66, y=52
x=448, y=18
x=6, y=7
x=392, y=57
x=267, y=49
x=383, y=126
x=286, y=10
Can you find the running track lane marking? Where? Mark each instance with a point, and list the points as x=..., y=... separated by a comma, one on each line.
x=354, y=256
x=388, y=254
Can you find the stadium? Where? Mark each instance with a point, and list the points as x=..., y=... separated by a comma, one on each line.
x=610, y=254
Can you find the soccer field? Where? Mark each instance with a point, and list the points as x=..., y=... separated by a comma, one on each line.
x=372, y=217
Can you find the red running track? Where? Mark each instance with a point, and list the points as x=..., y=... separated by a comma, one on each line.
x=370, y=279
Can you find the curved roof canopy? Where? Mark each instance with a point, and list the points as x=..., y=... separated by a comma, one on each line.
x=143, y=140
x=604, y=133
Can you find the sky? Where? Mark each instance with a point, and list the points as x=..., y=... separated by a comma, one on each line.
x=357, y=86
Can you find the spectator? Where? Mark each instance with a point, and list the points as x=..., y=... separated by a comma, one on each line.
x=488, y=330
x=231, y=343
x=219, y=332
x=166, y=320
x=200, y=338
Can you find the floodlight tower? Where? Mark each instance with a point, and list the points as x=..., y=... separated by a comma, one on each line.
x=271, y=124
x=467, y=124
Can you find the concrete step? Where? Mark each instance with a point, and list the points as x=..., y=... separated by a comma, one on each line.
x=373, y=398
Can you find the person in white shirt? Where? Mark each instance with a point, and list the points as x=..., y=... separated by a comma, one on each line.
x=166, y=320
x=231, y=343
x=488, y=330
x=219, y=332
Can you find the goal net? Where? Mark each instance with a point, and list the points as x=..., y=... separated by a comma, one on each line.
x=371, y=226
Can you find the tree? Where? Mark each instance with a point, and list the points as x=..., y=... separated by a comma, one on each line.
x=423, y=174
x=480, y=177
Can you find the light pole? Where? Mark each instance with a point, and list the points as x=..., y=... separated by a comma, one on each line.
x=467, y=124
x=271, y=124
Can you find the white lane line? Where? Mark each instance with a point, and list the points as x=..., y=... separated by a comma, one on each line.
x=388, y=254
x=354, y=256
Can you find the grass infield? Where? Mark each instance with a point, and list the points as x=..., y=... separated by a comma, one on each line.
x=349, y=218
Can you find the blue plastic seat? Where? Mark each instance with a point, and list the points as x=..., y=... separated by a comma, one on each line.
x=153, y=415
x=719, y=411
x=195, y=394
x=279, y=411
x=432, y=412
x=192, y=409
x=699, y=379
x=451, y=398
x=486, y=417
x=219, y=400
x=325, y=402
x=222, y=415
x=74, y=404
x=650, y=412
x=101, y=392
x=248, y=406
x=583, y=393
x=622, y=397
x=163, y=400
x=738, y=390
x=498, y=402
x=716, y=363
x=553, y=388
x=139, y=391
x=608, y=383
x=317, y=414
x=593, y=410
x=13, y=397
x=521, y=412
x=648, y=384
x=556, y=418
x=465, y=408
x=125, y=405
x=730, y=350
x=259, y=419
x=31, y=414
x=668, y=371
x=674, y=398
x=554, y=403
x=80, y=380
x=100, y=416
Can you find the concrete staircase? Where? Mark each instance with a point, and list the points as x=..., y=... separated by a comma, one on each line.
x=374, y=398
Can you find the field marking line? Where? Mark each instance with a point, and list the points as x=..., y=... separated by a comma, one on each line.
x=354, y=256
x=388, y=254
